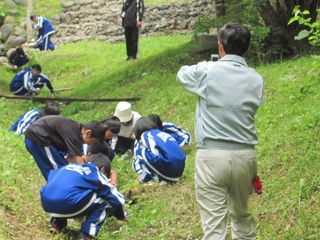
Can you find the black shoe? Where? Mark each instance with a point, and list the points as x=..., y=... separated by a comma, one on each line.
x=57, y=225
x=130, y=58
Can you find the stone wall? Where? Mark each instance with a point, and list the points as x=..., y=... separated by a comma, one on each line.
x=99, y=19
x=12, y=34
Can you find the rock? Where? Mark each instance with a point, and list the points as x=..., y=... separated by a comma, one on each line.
x=9, y=41
x=11, y=50
x=12, y=11
x=5, y=30
x=67, y=4
x=9, y=19
x=18, y=31
x=207, y=41
x=4, y=61
x=3, y=50
x=11, y=3
x=55, y=19
x=18, y=41
x=19, y=2
x=14, y=41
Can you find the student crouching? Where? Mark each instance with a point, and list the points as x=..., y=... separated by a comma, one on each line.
x=157, y=155
x=82, y=190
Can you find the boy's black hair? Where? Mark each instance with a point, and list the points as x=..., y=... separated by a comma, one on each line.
x=19, y=51
x=97, y=129
x=235, y=38
x=101, y=147
x=113, y=124
x=37, y=67
x=33, y=17
x=51, y=109
x=101, y=160
x=142, y=125
x=157, y=120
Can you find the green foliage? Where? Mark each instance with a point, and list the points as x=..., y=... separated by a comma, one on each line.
x=312, y=31
x=288, y=126
x=2, y=10
x=245, y=13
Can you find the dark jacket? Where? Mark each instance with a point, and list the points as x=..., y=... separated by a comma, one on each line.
x=132, y=11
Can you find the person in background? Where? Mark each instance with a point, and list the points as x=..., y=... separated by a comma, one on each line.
x=112, y=125
x=45, y=31
x=97, y=149
x=128, y=118
x=26, y=119
x=18, y=58
x=29, y=82
x=132, y=15
x=82, y=191
x=157, y=156
x=182, y=137
x=230, y=94
x=48, y=137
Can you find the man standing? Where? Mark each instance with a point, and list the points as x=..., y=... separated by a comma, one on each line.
x=30, y=81
x=132, y=15
x=229, y=95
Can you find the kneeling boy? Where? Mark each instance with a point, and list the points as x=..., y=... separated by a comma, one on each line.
x=82, y=190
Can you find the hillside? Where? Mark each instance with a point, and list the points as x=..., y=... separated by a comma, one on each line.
x=288, y=124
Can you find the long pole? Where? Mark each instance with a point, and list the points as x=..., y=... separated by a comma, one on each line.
x=64, y=99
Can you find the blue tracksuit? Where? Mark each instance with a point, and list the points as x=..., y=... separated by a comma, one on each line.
x=182, y=137
x=82, y=190
x=158, y=157
x=24, y=83
x=24, y=121
x=45, y=30
x=47, y=158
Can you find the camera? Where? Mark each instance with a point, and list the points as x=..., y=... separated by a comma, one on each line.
x=214, y=57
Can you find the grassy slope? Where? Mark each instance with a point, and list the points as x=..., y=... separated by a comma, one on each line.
x=288, y=125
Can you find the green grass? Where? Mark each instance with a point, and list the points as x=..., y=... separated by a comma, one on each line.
x=288, y=124
x=48, y=8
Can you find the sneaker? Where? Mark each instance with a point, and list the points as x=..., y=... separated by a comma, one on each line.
x=84, y=236
x=57, y=225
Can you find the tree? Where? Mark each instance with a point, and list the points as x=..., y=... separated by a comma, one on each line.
x=268, y=20
x=276, y=15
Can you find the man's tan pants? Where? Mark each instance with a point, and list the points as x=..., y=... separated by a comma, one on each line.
x=223, y=185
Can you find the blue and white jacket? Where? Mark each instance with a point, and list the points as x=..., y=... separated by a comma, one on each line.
x=24, y=121
x=161, y=154
x=182, y=137
x=24, y=83
x=72, y=189
x=44, y=28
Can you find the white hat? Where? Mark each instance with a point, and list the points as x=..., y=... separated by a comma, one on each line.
x=123, y=112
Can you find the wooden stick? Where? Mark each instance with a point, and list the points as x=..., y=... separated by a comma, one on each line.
x=63, y=89
x=64, y=99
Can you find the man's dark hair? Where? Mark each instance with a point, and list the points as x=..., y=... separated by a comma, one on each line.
x=235, y=38
x=19, y=51
x=101, y=147
x=51, y=109
x=113, y=124
x=142, y=125
x=33, y=17
x=101, y=160
x=37, y=67
x=97, y=129
x=157, y=120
